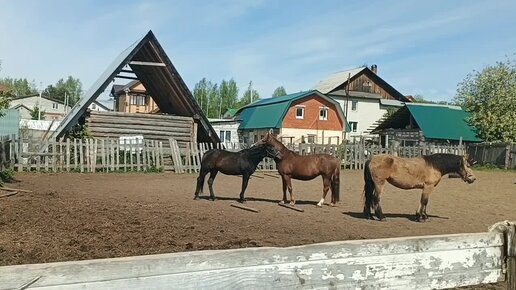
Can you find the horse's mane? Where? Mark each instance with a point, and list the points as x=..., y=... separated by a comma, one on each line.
x=255, y=153
x=444, y=162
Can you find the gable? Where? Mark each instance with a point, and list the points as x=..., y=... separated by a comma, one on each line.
x=152, y=67
x=360, y=80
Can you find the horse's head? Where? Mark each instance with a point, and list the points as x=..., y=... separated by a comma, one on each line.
x=275, y=146
x=465, y=170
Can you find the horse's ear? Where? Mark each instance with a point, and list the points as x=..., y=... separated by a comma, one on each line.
x=270, y=131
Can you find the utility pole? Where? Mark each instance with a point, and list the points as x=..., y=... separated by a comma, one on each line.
x=251, y=91
x=39, y=100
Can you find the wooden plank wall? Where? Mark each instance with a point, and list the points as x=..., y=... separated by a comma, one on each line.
x=150, y=126
x=427, y=262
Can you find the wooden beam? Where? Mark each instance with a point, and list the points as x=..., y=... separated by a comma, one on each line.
x=443, y=261
x=147, y=63
x=291, y=207
x=126, y=77
x=14, y=189
x=243, y=207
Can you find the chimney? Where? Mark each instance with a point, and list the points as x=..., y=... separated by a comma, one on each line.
x=374, y=68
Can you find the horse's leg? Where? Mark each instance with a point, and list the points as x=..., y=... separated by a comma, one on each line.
x=285, y=185
x=326, y=187
x=379, y=187
x=289, y=186
x=213, y=174
x=421, y=211
x=245, y=180
x=200, y=183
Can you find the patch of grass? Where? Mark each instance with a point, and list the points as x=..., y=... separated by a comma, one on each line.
x=6, y=176
x=491, y=167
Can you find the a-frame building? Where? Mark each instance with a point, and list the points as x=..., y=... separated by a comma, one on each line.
x=146, y=61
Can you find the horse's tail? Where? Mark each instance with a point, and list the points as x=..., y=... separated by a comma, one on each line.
x=335, y=183
x=369, y=194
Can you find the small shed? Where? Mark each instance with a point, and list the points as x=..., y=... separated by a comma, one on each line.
x=417, y=122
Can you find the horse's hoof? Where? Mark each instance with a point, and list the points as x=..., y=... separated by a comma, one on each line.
x=333, y=204
x=213, y=198
x=292, y=203
x=196, y=197
x=282, y=202
x=242, y=200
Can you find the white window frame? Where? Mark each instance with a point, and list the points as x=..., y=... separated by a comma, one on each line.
x=302, y=111
x=55, y=106
x=325, y=117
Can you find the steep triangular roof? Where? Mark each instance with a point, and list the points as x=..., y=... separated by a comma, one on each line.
x=151, y=65
x=338, y=81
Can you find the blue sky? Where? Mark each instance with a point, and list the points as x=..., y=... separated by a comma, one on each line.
x=420, y=47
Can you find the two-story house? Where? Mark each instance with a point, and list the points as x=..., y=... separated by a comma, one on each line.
x=363, y=96
x=54, y=109
x=132, y=98
x=309, y=117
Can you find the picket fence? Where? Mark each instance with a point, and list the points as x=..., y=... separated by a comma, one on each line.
x=88, y=155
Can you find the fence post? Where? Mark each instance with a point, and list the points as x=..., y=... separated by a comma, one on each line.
x=511, y=256
x=507, y=156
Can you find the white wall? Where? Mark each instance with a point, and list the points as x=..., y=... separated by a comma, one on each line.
x=50, y=107
x=367, y=113
x=230, y=126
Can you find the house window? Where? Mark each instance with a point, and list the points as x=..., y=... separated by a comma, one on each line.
x=55, y=106
x=228, y=136
x=93, y=106
x=138, y=100
x=323, y=114
x=354, y=105
x=300, y=112
x=225, y=136
x=311, y=139
x=354, y=126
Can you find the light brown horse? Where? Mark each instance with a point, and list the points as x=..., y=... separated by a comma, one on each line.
x=408, y=173
x=305, y=167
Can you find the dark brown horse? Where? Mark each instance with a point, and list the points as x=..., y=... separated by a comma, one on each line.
x=305, y=167
x=408, y=173
x=243, y=163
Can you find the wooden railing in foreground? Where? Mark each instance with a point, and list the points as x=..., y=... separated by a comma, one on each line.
x=427, y=262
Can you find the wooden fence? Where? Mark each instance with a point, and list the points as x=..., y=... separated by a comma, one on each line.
x=501, y=155
x=427, y=262
x=121, y=154
x=88, y=155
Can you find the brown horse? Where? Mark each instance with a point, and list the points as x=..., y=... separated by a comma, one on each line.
x=408, y=173
x=301, y=167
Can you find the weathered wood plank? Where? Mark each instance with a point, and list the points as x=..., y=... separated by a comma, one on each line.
x=414, y=262
x=143, y=116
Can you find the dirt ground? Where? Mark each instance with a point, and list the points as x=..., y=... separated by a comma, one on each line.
x=87, y=216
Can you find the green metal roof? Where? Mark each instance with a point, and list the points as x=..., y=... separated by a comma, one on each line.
x=443, y=122
x=269, y=113
x=231, y=112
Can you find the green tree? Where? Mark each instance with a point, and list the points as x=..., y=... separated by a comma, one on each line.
x=228, y=92
x=490, y=96
x=279, y=91
x=36, y=115
x=70, y=89
x=250, y=95
x=19, y=87
x=206, y=97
